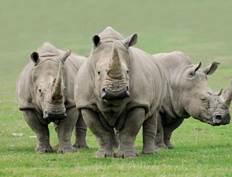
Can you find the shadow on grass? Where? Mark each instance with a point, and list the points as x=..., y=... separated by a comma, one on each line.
x=83, y=157
x=26, y=149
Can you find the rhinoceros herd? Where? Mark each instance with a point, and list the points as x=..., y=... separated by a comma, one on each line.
x=115, y=91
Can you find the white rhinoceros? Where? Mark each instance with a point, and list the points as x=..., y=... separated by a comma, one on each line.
x=118, y=89
x=45, y=92
x=189, y=95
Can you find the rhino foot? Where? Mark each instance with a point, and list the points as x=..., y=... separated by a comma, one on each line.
x=66, y=149
x=170, y=146
x=125, y=154
x=149, y=150
x=161, y=146
x=80, y=146
x=44, y=149
x=101, y=153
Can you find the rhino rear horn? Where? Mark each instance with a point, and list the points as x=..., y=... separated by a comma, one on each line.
x=211, y=68
x=131, y=40
x=35, y=57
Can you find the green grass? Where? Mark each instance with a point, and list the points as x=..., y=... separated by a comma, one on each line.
x=200, y=28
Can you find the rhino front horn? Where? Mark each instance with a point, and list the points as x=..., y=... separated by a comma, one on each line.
x=220, y=92
x=227, y=94
x=115, y=70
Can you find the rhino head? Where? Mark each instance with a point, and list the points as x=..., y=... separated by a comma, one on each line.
x=199, y=101
x=48, y=85
x=111, y=60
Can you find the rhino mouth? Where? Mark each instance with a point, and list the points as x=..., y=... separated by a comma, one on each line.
x=51, y=117
x=217, y=120
x=54, y=112
x=108, y=94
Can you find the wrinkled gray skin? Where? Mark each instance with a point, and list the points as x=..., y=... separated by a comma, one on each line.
x=45, y=92
x=119, y=89
x=188, y=95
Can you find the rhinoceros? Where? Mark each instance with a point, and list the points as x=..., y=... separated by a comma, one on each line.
x=118, y=89
x=188, y=95
x=45, y=92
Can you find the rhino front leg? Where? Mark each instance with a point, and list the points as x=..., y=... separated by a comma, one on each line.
x=41, y=130
x=168, y=129
x=115, y=140
x=127, y=135
x=149, y=133
x=80, y=133
x=159, y=138
x=64, y=131
x=103, y=136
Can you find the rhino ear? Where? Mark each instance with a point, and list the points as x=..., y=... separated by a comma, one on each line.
x=211, y=68
x=96, y=40
x=131, y=40
x=35, y=57
x=197, y=67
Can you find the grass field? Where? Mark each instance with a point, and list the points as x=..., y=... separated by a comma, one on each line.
x=200, y=28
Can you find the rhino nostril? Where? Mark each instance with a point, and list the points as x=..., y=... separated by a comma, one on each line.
x=219, y=117
x=103, y=94
x=127, y=88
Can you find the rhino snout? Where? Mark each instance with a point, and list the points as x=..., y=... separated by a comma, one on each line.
x=226, y=119
x=220, y=119
x=54, y=116
x=111, y=95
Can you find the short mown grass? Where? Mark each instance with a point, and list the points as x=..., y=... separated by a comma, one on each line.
x=202, y=29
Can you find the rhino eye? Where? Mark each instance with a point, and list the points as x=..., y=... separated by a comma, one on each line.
x=40, y=90
x=98, y=72
x=204, y=99
x=127, y=71
x=191, y=74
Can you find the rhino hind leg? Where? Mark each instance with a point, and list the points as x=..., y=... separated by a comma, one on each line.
x=128, y=134
x=149, y=133
x=41, y=130
x=103, y=136
x=80, y=132
x=168, y=130
x=159, y=138
x=64, y=132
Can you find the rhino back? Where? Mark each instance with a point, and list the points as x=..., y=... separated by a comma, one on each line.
x=84, y=86
x=72, y=66
x=24, y=90
x=172, y=61
x=173, y=64
x=148, y=81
